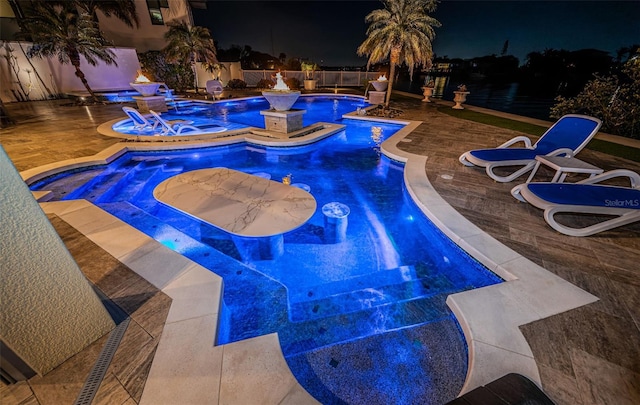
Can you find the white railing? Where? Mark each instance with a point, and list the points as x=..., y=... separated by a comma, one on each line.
x=325, y=78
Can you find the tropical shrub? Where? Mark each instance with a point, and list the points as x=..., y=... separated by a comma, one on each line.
x=189, y=43
x=237, y=84
x=309, y=69
x=615, y=100
x=178, y=76
x=265, y=84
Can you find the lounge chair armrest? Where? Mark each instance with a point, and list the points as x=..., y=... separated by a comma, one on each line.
x=522, y=138
x=567, y=152
x=634, y=178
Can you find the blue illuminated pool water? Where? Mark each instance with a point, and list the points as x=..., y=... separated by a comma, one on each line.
x=363, y=321
x=244, y=113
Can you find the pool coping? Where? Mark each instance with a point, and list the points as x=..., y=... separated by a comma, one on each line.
x=255, y=369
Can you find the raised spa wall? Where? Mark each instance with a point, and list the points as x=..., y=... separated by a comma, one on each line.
x=48, y=311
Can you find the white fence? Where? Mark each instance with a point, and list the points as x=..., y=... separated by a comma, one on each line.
x=325, y=78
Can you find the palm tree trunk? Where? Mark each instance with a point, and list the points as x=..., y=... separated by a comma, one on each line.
x=195, y=76
x=394, y=58
x=194, y=67
x=392, y=71
x=83, y=79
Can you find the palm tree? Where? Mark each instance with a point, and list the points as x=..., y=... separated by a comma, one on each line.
x=401, y=32
x=190, y=44
x=124, y=10
x=60, y=31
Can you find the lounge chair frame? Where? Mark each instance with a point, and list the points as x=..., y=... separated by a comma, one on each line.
x=468, y=159
x=623, y=216
x=172, y=127
x=140, y=122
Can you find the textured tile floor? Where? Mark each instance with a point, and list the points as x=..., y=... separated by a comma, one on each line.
x=590, y=355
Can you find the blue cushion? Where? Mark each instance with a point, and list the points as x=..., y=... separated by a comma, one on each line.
x=569, y=132
x=592, y=195
x=501, y=154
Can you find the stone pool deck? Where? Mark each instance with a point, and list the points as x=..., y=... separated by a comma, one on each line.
x=583, y=356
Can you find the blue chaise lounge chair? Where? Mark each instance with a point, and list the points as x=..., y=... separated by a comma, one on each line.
x=587, y=197
x=566, y=137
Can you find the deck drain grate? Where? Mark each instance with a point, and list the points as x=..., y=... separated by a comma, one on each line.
x=99, y=369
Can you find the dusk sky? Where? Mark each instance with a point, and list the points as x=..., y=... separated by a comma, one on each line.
x=330, y=31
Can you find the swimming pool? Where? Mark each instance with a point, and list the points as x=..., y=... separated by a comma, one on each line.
x=242, y=113
x=360, y=321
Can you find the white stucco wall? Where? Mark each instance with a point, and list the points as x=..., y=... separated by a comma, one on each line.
x=19, y=76
x=48, y=310
x=232, y=70
x=101, y=76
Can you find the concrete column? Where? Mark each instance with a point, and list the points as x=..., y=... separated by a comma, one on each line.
x=48, y=309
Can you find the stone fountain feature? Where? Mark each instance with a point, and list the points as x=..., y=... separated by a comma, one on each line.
x=378, y=96
x=281, y=118
x=280, y=96
x=149, y=100
x=145, y=86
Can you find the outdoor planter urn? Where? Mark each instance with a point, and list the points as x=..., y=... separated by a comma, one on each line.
x=310, y=84
x=459, y=98
x=427, y=92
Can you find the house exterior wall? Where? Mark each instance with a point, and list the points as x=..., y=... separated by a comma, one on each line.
x=18, y=81
x=146, y=37
x=100, y=77
x=48, y=310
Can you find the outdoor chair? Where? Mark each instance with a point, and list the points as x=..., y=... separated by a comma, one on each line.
x=172, y=127
x=140, y=122
x=149, y=122
x=214, y=88
x=587, y=197
x=566, y=137
x=179, y=128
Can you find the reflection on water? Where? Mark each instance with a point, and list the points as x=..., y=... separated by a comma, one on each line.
x=505, y=97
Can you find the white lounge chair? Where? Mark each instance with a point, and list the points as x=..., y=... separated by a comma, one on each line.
x=215, y=88
x=184, y=127
x=140, y=122
x=143, y=123
x=172, y=127
x=566, y=137
x=587, y=197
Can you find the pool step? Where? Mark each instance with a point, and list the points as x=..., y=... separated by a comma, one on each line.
x=244, y=287
x=382, y=277
x=95, y=187
x=379, y=292
x=300, y=337
x=127, y=186
x=136, y=179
